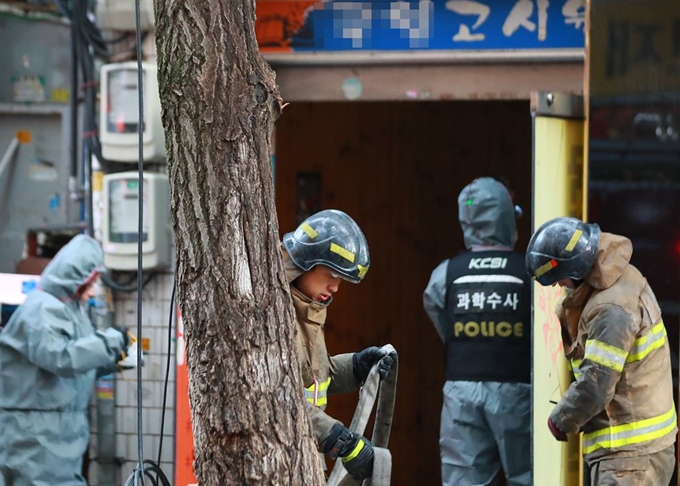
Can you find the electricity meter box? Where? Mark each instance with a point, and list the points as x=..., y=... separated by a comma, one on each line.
x=119, y=113
x=120, y=223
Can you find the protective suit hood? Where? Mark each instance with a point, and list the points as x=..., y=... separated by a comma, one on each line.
x=487, y=214
x=612, y=257
x=69, y=269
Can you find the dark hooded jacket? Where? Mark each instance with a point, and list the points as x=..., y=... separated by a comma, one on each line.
x=479, y=300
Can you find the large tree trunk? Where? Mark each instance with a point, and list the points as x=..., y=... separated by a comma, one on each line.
x=220, y=102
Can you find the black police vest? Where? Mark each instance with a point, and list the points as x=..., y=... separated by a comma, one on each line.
x=488, y=305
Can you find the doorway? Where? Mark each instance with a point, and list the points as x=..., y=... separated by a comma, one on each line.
x=397, y=168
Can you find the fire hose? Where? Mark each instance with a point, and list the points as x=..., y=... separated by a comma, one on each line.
x=386, y=392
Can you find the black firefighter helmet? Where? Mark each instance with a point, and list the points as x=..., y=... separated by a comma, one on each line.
x=333, y=239
x=562, y=248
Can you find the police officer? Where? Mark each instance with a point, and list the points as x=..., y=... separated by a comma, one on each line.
x=325, y=250
x=615, y=340
x=479, y=303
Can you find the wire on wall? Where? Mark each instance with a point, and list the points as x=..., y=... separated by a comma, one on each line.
x=144, y=468
x=88, y=43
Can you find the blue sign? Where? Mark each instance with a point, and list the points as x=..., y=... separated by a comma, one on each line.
x=28, y=286
x=438, y=25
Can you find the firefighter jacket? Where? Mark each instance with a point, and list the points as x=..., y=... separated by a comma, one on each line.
x=322, y=375
x=615, y=340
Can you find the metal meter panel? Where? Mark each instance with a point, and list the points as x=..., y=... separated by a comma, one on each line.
x=36, y=61
x=34, y=183
x=119, y=113
x=120, y=221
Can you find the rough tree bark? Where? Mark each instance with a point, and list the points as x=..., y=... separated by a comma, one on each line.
x=220, y=101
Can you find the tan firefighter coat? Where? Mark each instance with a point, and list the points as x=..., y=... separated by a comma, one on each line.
x=616, y=342
x=322, y=375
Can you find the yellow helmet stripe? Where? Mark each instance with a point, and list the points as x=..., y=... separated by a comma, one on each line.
x=574, y=239
x=543, y=269
x=346, y=254
x=309, y=230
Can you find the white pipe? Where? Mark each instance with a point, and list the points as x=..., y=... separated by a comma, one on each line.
x=374, y=58
x=9, y=154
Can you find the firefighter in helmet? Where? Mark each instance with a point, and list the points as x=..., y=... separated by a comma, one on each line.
x=325, y=250
x=615, y=341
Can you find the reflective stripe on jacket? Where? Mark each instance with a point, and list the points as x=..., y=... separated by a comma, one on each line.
x=317, y=394
x=614, y=358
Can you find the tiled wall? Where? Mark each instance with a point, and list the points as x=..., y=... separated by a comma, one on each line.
x=155, y=313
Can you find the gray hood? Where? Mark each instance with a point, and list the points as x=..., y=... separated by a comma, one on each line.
x=487, y=214
x=71, y=266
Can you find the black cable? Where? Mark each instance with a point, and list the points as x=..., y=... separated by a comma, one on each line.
x=63, y=9
x=86, y=157
x=82, y=58
x=145, y=468
x=132, y=277
x=125, y=287
x=167, y=368
x=74, y=100
x=118, y=39
x=87, y=177
x=153, y=473
x=87, y=40
x=90, y=127
x=88, y=29
x=139, y=472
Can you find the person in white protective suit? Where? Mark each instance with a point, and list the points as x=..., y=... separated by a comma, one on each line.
x=50, y=354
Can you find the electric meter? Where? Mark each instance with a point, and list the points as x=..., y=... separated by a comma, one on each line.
x=120, y=224
x=119, y=113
